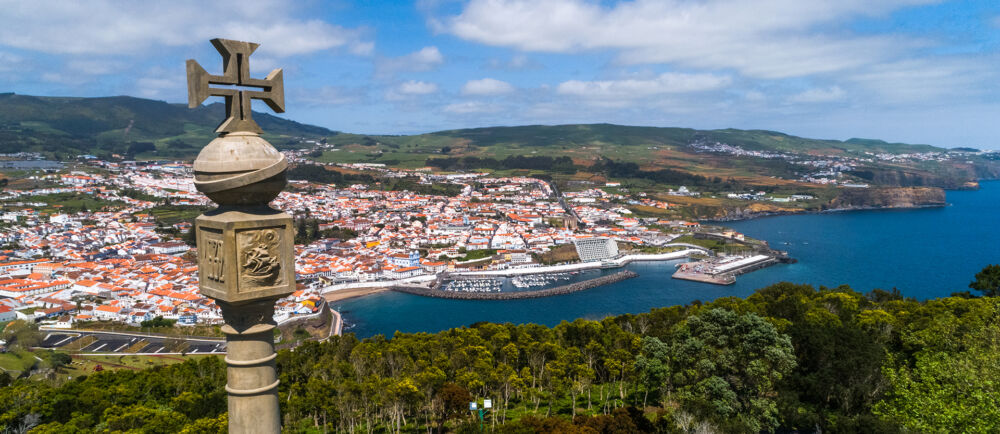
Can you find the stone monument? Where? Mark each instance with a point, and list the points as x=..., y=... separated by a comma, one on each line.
x=245, y=253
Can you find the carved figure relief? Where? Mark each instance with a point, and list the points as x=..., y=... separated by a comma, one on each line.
x=260, y=265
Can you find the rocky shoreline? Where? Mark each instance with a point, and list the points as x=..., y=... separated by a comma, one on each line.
x=751, y=216
x=560, y=290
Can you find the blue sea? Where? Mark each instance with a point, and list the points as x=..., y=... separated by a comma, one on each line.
x=925, y=253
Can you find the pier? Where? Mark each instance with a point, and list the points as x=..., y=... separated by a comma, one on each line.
x=722, y=271
x=560, y=290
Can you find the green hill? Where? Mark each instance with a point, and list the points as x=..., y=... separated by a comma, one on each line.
x=63, y=127
x=136, y=128
x=142, y=128
x=560, y=137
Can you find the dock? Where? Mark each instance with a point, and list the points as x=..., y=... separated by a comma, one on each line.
x=722, y=271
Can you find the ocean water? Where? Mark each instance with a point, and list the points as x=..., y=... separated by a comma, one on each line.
x=925, y=253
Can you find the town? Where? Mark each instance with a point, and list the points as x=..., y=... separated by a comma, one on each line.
x=831, y=169
x=129, y=259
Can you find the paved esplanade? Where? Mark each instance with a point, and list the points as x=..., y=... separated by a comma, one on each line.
x=245, y=252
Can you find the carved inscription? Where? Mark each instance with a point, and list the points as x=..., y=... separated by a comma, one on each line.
x=260, y=265
x=212, y=266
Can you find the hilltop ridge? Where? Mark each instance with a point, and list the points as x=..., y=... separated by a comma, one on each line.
x=61, y=127
x=126, y=127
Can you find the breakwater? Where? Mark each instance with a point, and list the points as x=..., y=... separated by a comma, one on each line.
x=559, y=290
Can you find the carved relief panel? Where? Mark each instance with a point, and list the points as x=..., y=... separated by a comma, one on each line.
x=245, y=256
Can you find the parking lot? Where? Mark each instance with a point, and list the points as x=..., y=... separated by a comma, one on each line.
x=107, y=342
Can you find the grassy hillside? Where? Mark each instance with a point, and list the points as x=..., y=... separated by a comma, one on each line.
x=543, y=138
x=656, y=149
x=135, y=128
x=142, y=128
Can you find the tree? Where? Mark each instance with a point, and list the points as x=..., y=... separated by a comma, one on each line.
x=144, y=419
x=988, y=281
x=217, y=425
x=948, y=391
x=455, y=400
x=58, y=360
x=727, y=365
x=653, y=364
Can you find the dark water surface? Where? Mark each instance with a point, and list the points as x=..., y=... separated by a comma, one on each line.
x=925, y=253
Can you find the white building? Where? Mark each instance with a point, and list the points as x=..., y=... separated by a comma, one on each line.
x=596, y=249
x=7, y=314
x=169, y=248
x=19, y=267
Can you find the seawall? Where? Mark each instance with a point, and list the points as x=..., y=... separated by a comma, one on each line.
x=560, y=290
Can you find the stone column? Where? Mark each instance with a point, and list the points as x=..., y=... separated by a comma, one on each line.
x=246, y=259
x=253, y=378
x=246, y=263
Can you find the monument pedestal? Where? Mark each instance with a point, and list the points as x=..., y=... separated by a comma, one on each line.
x=246, y=257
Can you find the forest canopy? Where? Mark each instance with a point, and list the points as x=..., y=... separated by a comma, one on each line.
x=789, y=357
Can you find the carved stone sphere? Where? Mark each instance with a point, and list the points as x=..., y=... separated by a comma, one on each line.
x=240, y=169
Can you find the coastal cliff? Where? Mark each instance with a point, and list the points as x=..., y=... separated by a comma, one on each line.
x=846, y=199
x=887, y=197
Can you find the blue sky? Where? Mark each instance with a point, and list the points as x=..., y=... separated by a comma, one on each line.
x=917, y=71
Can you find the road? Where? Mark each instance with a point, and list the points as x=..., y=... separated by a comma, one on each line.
x=117, y=343
x=562, y=202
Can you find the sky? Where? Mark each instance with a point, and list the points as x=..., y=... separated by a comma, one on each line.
x=914, y=71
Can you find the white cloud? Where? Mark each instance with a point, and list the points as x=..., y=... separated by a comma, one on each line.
x=424, y=59
x=486, y=86
x=819, y=95
x=765, y=38
x=429, y=56
x=631, y=89
x=942, y=80
x=112, y=27
x=410, y=89
x=363, y=48
x=471, y=107
x=160, y=83
x=151, y=87
x=414, y=87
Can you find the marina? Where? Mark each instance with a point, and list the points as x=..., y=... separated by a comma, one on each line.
x=474, y=285
x=529, y=281
x=485, y=292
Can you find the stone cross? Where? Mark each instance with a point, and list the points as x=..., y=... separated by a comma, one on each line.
x=236, y=74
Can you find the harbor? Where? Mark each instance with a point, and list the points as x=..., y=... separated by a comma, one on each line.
x=485, y=291
x=529, y=281
x=474, y=285
x=722, y=270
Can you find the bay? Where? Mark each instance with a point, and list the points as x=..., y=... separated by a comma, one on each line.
x=924, y=252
